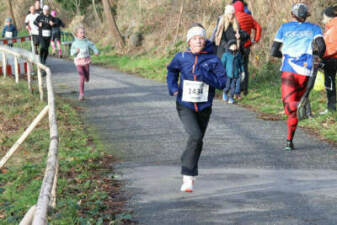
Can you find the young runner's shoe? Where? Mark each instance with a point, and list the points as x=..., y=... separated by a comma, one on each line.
x=324, y=112
x=225, y=97
x=187, y=185
x=289, y=146
x=81, y=98
x=231, y=101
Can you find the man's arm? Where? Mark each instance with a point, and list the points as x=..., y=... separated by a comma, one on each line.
x=319, y=46
x=276, y=49
x=258, y=31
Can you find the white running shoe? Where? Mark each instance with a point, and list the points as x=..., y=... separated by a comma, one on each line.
x=324, y=112
x=188, y=182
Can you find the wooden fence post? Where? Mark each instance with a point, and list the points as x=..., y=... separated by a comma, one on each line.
x=16, y=68
x=39, y=78
x=4, y=64
x=29, y=76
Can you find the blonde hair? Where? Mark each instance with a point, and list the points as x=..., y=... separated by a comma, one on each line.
x=223, y=25
x=226, y=21
x=79, y=27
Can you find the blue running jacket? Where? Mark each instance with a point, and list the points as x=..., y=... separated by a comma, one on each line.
x=205, y=67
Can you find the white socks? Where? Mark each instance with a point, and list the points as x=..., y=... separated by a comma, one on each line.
x=188, y=182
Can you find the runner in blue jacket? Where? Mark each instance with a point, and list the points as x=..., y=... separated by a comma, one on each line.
x=200, y=72
x=300, y=45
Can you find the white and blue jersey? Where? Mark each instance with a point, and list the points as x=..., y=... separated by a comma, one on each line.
x=297, y=51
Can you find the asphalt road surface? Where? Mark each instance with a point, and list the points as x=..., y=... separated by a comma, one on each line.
x=245, y=176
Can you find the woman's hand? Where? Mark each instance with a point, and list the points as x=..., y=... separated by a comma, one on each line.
x=175, y=93
x=237, y=35
x=78, y=50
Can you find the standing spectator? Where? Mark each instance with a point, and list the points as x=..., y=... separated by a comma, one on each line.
x=45, y=22
x=247, y=23
x=330, y=57
x=301, y=43
x=246, y=6
x=32, y=28
x=227, y=29
x=80, y=48
x=9, y=30
x=200, y=72
x=232, y=62
x=56, y=33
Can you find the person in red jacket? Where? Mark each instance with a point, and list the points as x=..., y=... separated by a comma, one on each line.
x=247, y=23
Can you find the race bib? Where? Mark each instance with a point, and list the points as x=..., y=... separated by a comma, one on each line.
x=84, y=52
x=195, y=91
x=8, y=34
x=46, y=33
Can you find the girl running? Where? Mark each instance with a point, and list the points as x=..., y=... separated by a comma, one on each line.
x=200, y=71
x=80, y=48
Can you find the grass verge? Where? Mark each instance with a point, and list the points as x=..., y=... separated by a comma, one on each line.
x=264, y=96
x=87, y=192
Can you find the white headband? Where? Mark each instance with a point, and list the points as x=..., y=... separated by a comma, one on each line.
x=195, y=31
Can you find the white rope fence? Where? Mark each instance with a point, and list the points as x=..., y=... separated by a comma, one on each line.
x=37, y=214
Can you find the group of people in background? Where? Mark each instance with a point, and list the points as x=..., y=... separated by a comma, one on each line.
x=222, y=63
x=233, y=31
x=44, y=26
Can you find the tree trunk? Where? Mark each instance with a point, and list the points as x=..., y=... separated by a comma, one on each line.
x=110, y=20
x=98, y=18
x=179, y=20
x=10, y=7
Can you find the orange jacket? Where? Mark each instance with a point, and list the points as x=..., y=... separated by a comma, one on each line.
x=330, y=38
x=247, y=23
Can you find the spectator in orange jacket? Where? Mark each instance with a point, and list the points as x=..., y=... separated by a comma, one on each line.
x=330, y=56
x=247, y=23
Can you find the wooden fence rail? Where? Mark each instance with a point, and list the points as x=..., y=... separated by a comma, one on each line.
x=37, y=215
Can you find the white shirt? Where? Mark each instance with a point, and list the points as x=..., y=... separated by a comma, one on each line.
x=30, y=18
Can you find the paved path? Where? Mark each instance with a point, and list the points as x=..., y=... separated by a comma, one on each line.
x=245, y=178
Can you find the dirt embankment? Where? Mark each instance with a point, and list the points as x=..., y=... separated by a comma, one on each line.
x=157, y=21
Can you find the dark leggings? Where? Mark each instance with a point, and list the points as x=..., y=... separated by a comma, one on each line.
x=195, y=124
x=330, y=70
x=245, y=82
x=44, y=49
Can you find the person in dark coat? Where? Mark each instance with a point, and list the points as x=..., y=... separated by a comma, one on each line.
x=227, y=29
x=45, y=22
